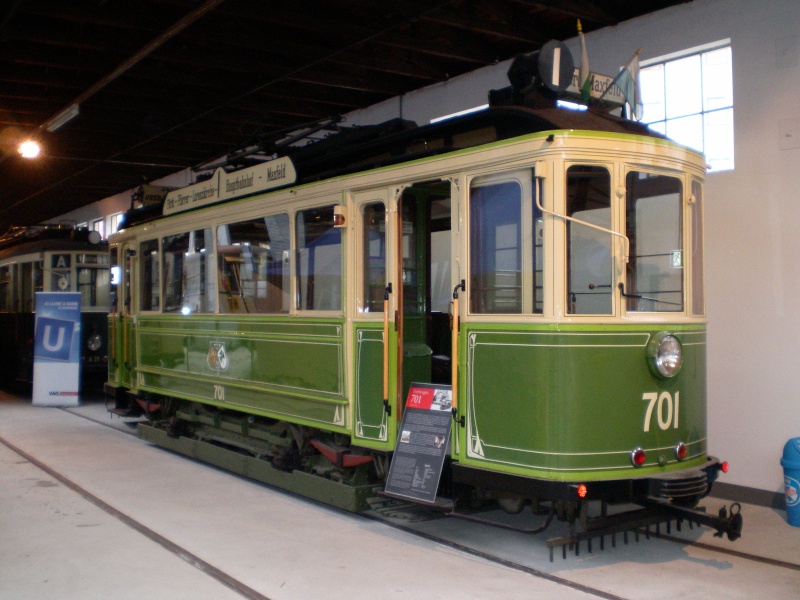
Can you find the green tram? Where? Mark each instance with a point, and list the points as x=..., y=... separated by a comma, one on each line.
x=52, y=259
x=546, y=263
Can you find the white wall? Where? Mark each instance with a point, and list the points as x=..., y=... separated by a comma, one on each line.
x=118, y=202
x=752, y=215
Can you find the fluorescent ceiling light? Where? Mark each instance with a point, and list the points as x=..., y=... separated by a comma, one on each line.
x=460, y=113
x=62, y=118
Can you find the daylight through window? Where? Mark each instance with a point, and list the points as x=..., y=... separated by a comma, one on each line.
x=689, y=98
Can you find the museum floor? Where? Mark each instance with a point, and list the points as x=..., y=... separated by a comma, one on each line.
x=88, y=510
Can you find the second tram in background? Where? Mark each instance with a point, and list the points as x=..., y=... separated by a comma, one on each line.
x=52, y=259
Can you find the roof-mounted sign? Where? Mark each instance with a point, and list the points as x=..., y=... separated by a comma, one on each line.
x=599, y=85
x=227, y=186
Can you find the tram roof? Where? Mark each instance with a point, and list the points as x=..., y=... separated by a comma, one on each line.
x=25, y=240
x=396, y=141
x=399, y=141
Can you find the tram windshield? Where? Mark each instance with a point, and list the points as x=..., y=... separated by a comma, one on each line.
x=93, y=280
x=589, y=275
x=654, y=281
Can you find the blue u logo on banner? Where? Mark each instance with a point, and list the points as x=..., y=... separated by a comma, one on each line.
x=56, y=349
x=53, y=338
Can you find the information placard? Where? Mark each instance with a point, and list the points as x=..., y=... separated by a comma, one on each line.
x=422, y=443
x=56, y=349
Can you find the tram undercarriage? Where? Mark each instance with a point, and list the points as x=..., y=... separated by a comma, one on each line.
x=323, y=466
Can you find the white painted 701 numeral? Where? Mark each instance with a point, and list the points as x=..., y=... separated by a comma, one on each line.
x=219, y=392
x=667, y=413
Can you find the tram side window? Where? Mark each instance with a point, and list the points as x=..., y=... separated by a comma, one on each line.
x=174, y=250
x=93, y=280
x=374, y=253
x=114, y=274
x=253, y=259
x=589, y=274
x=496, y=248
x=655, y=269
x=200, y=290
x=31, y=278
x=6, y=288
x=319, y=260
x=150, y=298
x=38, y=278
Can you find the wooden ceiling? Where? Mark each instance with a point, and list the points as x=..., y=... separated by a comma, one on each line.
x=166, y=84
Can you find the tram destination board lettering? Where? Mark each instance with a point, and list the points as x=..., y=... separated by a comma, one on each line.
x=422, y=443
x=227, y=186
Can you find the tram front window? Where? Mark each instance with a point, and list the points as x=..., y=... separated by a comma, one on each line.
x=589, y=274
x=94, y=281
x=654, y=281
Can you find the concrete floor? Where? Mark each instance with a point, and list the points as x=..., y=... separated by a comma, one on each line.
x=164, y=526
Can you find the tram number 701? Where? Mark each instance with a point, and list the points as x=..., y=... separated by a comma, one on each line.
x=667, y=412
x=219, y=392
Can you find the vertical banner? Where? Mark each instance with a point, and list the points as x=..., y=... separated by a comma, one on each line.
x=56, y=349
x=422, y=443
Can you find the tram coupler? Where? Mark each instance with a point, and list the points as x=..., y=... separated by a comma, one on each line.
x=727, y=522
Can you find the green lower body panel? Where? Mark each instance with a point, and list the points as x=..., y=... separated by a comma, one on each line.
x=353, y=498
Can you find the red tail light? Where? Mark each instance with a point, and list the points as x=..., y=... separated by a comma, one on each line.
x=680, y=451
x=724, y=467
x=638, y=457
x=582, y=491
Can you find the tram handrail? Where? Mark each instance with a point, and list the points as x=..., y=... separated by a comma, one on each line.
x=626, y=241
x=386, y=293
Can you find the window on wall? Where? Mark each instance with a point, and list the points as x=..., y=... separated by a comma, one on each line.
x=99, y=225
x=113, y=223
x=689, y=98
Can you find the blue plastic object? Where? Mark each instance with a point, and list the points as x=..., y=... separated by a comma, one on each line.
x=791, y=476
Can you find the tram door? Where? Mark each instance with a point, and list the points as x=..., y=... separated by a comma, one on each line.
x=403, y=260
x=426, y=291
x=128, y=258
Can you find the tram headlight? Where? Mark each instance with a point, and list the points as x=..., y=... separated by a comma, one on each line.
x=94, y=342
x=664, y=355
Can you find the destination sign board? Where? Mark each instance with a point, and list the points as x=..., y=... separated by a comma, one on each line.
x=226, y=186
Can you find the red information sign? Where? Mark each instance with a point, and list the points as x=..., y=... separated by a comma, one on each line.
x=422, y=443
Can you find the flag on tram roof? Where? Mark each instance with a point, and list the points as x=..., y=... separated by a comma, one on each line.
x=584, y=75
x=628, y=82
